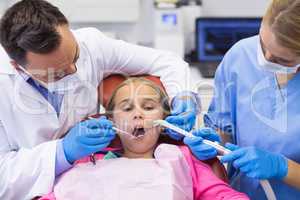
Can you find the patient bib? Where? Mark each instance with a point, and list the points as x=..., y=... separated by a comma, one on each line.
x=167, y=177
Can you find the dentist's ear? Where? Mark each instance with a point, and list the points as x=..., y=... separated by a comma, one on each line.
x=15, y=64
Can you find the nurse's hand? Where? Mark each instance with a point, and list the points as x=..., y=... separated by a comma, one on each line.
x=200, y=150
x=256, y=163
x=87, y=137
x=185, y=107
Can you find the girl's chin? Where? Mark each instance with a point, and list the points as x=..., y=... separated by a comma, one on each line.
x=141, y=152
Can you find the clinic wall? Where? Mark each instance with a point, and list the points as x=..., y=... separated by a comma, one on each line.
x=234, y=8
x=3, y=5
x=139, y=32
x=142, y=30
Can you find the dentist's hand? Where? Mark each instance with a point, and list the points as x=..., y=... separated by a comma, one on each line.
x=185, y=107
x=200, y=150
x=87, y=137
x=256, y=163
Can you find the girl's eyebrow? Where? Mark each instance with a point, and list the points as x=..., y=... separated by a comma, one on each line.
x=124, y=101
x=147, y=99
x=150, y=99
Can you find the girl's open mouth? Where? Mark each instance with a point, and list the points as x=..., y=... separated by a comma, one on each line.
x=138, y=132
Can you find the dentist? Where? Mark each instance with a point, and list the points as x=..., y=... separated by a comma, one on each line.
x=49, y=76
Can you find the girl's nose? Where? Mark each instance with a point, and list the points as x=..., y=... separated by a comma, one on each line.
x=138, y=114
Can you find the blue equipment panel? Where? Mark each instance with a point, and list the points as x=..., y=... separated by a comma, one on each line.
x=215, y=36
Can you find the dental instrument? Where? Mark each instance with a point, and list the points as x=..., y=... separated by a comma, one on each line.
x=221, y=150
x=92, y=156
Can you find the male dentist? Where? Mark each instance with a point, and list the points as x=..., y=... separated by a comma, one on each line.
x=48, y=81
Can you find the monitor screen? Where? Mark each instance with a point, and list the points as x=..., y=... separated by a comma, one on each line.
x=169, y=19
x=215, y=36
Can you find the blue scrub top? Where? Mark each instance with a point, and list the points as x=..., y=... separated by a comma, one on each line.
x=249, y=105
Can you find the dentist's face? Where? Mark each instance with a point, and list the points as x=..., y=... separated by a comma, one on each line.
x=136, y=106
x=53, y=66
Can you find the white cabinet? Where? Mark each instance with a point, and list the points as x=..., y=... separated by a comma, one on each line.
x=3, y=7
x=234, y=8
x=99, y=11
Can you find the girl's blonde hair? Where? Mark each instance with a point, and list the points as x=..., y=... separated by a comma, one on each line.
x=163, y=97
x=283, y=17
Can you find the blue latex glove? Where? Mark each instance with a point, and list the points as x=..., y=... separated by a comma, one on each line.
x=87, y=137
x=200, y=150
x=185, y=107
x=256, y=163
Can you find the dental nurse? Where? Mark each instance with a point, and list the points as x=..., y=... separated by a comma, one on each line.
x=49, y=76
x=256, y=105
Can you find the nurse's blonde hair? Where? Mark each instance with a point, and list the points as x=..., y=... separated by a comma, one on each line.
x=283, y=17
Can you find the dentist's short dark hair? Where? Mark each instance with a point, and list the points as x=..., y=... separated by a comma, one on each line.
x=30, y=26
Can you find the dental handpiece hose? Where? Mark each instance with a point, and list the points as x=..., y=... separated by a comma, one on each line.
x=221, y=150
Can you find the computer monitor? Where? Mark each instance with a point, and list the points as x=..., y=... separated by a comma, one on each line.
x=215, y=36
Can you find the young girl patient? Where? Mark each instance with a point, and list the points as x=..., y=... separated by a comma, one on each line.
x=145, y=168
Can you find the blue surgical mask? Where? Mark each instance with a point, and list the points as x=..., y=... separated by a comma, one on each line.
x=273, y=67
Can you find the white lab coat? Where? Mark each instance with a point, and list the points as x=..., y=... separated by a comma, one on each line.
x=29, y=126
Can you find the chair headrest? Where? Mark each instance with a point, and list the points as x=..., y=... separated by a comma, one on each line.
x=109, y=84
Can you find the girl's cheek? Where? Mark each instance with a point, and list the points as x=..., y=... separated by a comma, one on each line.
x=122, y=123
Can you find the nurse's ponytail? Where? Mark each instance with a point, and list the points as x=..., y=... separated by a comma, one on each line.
x=283, y=17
